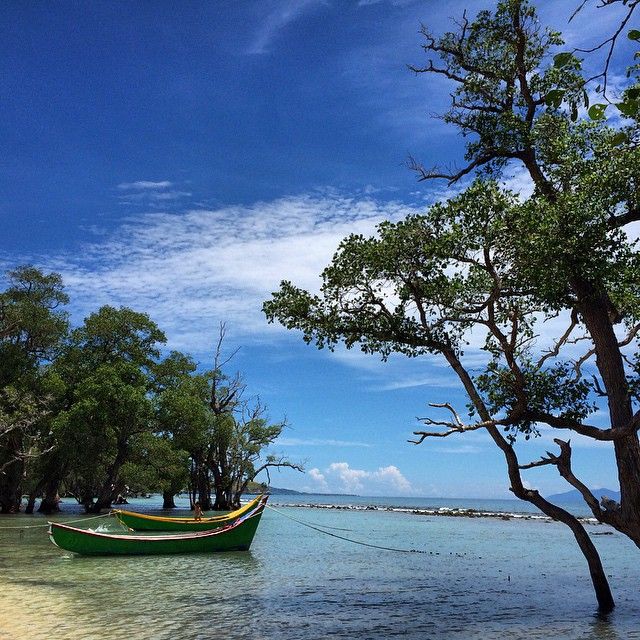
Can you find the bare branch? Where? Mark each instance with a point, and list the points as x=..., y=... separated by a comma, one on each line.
x=550, y=459
x=430, y=174
x=611, y=41
x=455, y=426
x=590, y=431
x=561, y=342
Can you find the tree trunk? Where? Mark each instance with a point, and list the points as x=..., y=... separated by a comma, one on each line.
x=599, y=580
x=11, y=487
x=109, y=490
x=50, y=502
x=204, y=489
x=31, y=502
x=222, y=502
x=167, y=500
x=596, y=311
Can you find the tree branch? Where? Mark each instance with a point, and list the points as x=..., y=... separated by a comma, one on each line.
x=455, y=426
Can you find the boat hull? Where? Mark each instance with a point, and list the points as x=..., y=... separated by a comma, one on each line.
x=144, y=522
x=234, y=537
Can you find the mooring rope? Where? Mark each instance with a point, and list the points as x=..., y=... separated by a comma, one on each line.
x=335, y=535
x=40, y=526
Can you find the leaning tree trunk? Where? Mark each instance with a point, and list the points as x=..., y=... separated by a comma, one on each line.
x=598, y=576
x=596, y=312
x=599, y=580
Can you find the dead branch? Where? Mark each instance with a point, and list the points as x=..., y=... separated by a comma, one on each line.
x=563, y=463
x=561, y=342
x=455, y=426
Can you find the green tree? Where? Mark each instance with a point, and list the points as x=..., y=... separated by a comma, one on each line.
x=627, y=104
x=183, y=418
x=225, y=435
x=240, y=434
x=156, y=465
x=32, y=325
x=108, y=368
x=490, y=263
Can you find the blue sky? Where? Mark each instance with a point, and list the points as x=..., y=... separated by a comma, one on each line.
x=183, y=158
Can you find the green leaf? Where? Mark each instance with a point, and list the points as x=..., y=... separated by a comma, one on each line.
x=633, y=93
x=619, y=138
x=596, y=111
x=562, y=59
x=634, y=34
x=629, y=107
x=554, y=97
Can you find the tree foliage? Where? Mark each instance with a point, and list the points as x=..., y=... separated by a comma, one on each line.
x=32, y=326
x=99, y=410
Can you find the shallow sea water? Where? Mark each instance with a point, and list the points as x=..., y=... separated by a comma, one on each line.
x=477, y=578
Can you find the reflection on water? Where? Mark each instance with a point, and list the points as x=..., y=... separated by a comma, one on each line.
x=480, y=578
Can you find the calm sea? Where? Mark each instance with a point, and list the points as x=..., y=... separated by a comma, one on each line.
x=482, y=577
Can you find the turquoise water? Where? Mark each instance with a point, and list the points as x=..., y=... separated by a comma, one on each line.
x=477, y=578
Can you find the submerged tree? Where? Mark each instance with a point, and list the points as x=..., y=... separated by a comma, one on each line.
x=489, y=263
x=224, y=433
x=240, y=434
x=32, y=326
x=108, y=369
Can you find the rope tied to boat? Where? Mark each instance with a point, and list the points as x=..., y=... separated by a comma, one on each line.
x=335, y=535
x=40, y=526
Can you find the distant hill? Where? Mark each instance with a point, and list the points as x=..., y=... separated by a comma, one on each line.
x=574, y=495
x=255, y=488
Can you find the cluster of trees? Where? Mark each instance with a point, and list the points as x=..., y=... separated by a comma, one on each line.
x=90, y=411
x=506, y=268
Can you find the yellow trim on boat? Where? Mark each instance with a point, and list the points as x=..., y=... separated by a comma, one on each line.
x=227, y=516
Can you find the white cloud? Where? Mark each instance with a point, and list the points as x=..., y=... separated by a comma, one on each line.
x=350, y=479
x=191, y=270
x=319, y=482
x=144, y=184
x=342, y=478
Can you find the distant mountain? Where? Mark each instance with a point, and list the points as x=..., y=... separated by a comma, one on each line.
x=574, y=496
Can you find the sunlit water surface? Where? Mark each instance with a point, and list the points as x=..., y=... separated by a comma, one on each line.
x=477, y=578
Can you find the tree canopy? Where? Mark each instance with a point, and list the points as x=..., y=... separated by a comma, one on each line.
x=99, y=410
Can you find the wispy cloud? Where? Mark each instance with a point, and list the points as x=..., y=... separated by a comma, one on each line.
x=191, y=270
x=281, y=15
x=149, y=197
x=463, y=449
x=144, y=184
x=150, y=194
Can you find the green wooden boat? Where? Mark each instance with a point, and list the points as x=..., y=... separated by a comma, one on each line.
x=143, y=522
x=236, y=536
